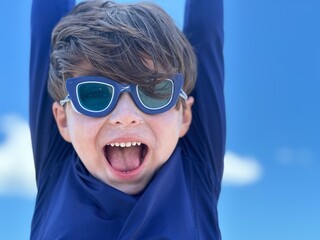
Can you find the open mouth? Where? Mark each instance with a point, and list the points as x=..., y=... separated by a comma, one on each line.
x=125, y=156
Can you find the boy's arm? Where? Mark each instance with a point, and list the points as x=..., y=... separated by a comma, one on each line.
x=205, y=140
x=47, y=144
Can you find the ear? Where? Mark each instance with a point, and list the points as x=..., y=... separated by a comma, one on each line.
x=186, y=117
x=60, y=116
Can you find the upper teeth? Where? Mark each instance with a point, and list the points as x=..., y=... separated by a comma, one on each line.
x=125, y=144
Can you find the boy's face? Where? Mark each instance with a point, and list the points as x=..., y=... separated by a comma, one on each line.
x=130, y=166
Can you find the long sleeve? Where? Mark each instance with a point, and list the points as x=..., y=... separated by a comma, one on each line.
x=203, y=26
x=47, y=144
x=204, y=145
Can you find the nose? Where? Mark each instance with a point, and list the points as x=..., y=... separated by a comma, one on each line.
x=126, y=112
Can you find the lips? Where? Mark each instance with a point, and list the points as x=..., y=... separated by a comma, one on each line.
x=125, y=156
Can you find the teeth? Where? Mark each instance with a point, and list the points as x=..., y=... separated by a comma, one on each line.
x=124, y=144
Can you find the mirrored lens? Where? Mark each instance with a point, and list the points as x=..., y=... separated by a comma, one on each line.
x=94, y=96
x=158, y=96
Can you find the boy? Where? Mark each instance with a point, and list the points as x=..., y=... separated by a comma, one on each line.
x=120, y=158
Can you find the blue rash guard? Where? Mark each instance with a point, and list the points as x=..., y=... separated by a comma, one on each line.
x=181, y=200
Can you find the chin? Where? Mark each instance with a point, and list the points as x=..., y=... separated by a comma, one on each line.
x=131, y=188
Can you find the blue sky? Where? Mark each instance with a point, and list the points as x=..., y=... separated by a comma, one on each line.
x=272, y=57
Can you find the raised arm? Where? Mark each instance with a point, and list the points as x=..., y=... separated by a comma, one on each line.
x=205, y=140
x=46, y=141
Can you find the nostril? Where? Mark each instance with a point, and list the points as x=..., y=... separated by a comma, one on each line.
x=133, y=122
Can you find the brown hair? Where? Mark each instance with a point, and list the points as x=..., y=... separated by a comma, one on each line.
x=131, y=43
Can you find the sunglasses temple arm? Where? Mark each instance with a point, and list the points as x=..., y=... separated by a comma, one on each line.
x=183, y=94
x=64, y=101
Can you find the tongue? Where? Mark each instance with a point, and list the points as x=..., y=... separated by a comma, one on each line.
x=124, y=159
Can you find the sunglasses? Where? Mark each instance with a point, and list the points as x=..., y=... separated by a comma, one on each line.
x=97, y=96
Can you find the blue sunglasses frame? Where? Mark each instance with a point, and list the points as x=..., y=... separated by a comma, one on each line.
x=72, y=85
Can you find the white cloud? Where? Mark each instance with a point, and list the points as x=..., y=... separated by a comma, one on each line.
x=240, y=170
x=298, y=157
x=16, y=159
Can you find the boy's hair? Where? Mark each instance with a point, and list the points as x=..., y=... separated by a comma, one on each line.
x=130, y=43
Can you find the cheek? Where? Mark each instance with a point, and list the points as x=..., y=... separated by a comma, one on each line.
x=167, y=129
x=82, y=131
x=171, y=122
